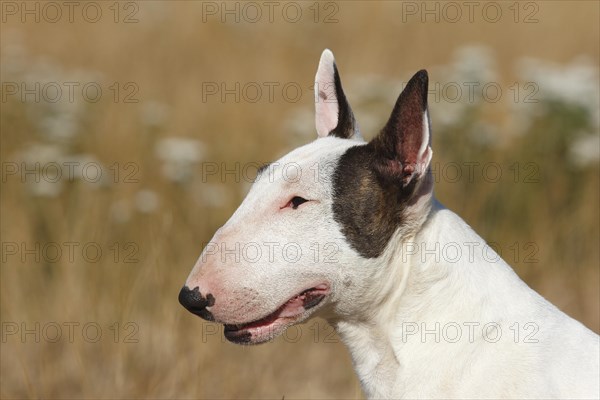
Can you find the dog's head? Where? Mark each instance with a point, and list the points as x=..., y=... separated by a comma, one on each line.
x=314, y=231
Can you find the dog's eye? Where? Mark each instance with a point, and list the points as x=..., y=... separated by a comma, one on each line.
x=295, y=202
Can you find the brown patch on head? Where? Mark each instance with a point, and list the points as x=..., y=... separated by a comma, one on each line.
x=368, y=207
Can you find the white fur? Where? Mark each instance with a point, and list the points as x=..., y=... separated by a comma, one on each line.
x=375, y=304
x=563, y=364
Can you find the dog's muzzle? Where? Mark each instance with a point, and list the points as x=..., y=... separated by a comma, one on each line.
x=195, y=303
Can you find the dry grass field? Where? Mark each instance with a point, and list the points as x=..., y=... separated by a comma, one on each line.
x=115, y=116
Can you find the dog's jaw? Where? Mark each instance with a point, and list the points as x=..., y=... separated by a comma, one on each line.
x=295, y=310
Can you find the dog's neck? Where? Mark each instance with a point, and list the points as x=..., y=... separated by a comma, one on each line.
x=418, y=285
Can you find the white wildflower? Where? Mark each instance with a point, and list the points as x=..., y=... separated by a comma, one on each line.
x=86, y=168
x=146, y=201
x=473, y=63
x=40, y=169
x=179, y=157
x=575, y=83
x=585, y=151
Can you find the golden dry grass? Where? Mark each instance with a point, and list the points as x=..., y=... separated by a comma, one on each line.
x=168, y=54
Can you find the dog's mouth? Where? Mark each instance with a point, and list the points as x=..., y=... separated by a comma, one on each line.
x=264, y=329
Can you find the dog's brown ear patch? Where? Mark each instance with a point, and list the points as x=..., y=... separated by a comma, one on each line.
x=367, y=208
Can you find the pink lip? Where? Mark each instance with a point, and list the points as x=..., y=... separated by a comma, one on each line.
x=264, y=328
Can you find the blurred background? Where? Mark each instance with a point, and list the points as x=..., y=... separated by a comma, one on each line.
x=127, y=129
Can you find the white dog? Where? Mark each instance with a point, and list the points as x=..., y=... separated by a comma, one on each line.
x=351, y=231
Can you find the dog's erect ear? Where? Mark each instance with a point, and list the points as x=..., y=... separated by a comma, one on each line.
x=404, y=144
x=333, y=113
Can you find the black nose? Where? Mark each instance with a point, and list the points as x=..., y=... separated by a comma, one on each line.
x=195, y=303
